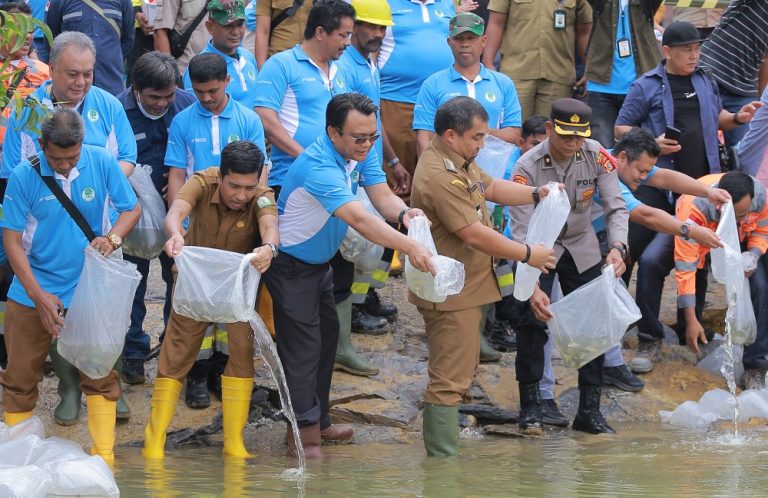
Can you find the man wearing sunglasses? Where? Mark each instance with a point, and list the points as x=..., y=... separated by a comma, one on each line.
x=317, y=204
x=226, y=25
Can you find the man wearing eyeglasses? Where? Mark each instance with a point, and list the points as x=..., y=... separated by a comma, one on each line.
x=317, y=204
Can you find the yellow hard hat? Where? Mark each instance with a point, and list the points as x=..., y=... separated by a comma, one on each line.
x=373, y=11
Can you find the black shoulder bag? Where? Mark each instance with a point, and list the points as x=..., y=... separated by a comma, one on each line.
x=65, y=201
x=179, y=41
x=282, y=16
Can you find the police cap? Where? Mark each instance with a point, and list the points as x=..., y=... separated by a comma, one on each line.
x=571, y=117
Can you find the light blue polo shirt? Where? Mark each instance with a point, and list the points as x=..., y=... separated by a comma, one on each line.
x=633, y=202
x=495, y=91
x=623, y=69
x=106, y=125
x=52, y=240
x=415, y=47
x=293, y=86
x=242, y=72
x=318, y=183
x=197, y=136
x=362, y=76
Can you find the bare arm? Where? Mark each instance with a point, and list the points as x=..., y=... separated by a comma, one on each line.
x=261, y=48
x=620, y=130
x=127, y=167
x=176, y=179
x=268, y=229
x=582, y=40
x=386, y=203
x=161, y=41
x=663, y=222
x=276, y=134
x=173, y=226
x=727, y=120
x=126, y=220
x=423, y=139
x=489, y=241
x=509, y=193
x=680, y=183
x=510, y=134
x=497, y=23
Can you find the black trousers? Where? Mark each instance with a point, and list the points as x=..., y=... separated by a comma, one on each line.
x=531, y=334
x=307, y=330
x=343, y=276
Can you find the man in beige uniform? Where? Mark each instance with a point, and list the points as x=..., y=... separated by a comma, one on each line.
x=279, y=26
x=229, y=208
x=567, y=156
x=177, y=15
x=539, y=40
x=452, y=190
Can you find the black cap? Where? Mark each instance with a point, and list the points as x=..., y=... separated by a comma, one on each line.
x=571, y=117
x=680, y=33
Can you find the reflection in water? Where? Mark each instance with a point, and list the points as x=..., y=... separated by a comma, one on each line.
x=646, y=460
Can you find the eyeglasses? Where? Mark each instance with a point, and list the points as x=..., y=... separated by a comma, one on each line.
x=361, y=140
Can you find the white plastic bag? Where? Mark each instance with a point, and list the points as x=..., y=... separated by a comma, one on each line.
x=147, y=238
x=215, y=286
x=494, y=156
x=741, y=319
x=99, y=314
x=726, y=261
x=449, y=273
x=355, y=248
x=748, y=261
x=546, y=223
x=592, y=319
x=83, y=476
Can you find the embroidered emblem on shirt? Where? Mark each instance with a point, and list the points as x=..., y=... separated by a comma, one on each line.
x=354, y=176
x=449, y=165
x=439, y=13
x=606, y=161
x=458, y=183
x=240, y=224
x=93, y=116
x=88, y=194
x=690, y=95
x=520, y=179
x=263, y=202
x=490, y=96
x=233, y=138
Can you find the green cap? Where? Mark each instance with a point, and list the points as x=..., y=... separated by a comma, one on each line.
x=466, y=21
x=226, y=11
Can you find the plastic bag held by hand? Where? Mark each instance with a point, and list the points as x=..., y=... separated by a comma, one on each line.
x=449, y=273
x=99, y=314
x=592, y=319
x=494, y=156
x=147, y=238
x=215, y=286
x=547, y=222
x=748, y=261
x=726, y=261
x=357, y=249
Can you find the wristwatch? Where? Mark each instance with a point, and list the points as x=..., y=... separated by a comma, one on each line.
x=401, y=216
x=273, y=247
x=115, y=240
x=393, y=162
x=685, y=229
x=535, y=195
x=621, y=248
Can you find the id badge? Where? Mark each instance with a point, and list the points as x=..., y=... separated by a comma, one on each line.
x=623, y=48
x=558, y=19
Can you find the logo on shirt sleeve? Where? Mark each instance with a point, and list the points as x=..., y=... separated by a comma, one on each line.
x=88, y=194
x=263, y=202
x=606, y=161
x=520, y=179
x=93, y=115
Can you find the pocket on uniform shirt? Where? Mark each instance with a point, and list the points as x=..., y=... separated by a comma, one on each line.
x=584, y=198
x=523, y=10
x=191, y=8
x=71, y=21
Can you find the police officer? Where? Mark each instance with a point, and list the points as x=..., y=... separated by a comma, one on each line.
x=567, y=156
x=452, y=191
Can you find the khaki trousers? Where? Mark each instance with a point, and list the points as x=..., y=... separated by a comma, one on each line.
x=397, y=121
x=182, y=341
x=28, y=344
x=453, y=340
x=536, y=96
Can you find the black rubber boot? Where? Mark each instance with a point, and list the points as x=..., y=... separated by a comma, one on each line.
x=3, y=353
x=364, y=323
x=588, y=418
x=501, y=336
x=551, y=414
x=218, y=364
x=374, y=306
x=196, y=394
x=529, y=419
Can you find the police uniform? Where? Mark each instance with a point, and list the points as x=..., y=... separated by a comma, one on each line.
x=178, y=15
x=577, y=250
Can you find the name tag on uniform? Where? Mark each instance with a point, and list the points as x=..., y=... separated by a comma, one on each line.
x=623, y=48
x=558, y=19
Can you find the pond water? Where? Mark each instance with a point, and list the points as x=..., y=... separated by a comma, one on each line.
x=642, y=459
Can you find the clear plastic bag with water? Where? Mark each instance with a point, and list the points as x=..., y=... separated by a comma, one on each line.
x=355, y=248
x=215, y=286
x=727, y=261
x=741, y=318
x=545, y=226
x=494, y=156
x=147, y=238
x=592, y=319
x=449, y=273
x=99, y=315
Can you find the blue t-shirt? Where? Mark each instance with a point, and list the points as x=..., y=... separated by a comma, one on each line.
x=318, y=183
x=495, y=91
x=250, y=16
x=633, y=202
x=623, y=70
x=52, y=240
x=293, y=86
x=197, y=135
x=362, y=76
x=106, y=125
x=414, y=47
x=242, y=74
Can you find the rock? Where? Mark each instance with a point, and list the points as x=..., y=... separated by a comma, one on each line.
x=509, y=430
x=390, y=413
x=487, y=415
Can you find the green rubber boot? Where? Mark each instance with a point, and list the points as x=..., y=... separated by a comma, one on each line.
x=122, y=408
x=441, y=430
x=347, y=359
x=487, y=353
x=68, y=410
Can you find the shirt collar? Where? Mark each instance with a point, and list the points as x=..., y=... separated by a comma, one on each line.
x=338, y=158
x=46, y=169
x=455, y=158
x=419, y=2
x=226, y=113
x=357, y=56
x=227, y=57
x=455, y=75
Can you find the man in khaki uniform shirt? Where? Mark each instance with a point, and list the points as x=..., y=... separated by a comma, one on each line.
x=452, y=190
x=230, y=208
x=177, y=15
x=290, y=31
x=582, y=165
x=539, y=40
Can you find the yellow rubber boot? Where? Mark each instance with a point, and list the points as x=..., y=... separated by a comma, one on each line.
x=235, y=402
x=162, y=408
x=396, y=268
x=16, y=418
x=102, y=415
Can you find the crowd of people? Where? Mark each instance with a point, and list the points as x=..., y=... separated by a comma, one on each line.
x=260, y=123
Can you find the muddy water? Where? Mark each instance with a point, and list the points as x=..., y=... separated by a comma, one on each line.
x=641, y=460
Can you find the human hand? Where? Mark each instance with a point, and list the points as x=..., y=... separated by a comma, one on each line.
x=704, y=236
x=103, y=245
x=174, y=244
x=614, y=258
x=718, y=196
x=421, y=258
x=51, y=311
x=540, y=305
x=667, y=145
x=146, y=28
x=402, y=179
x=694, y=333
x=262, y=258
x=411, y=214
x=542, y=257
x=747, y=112
x=466, y=6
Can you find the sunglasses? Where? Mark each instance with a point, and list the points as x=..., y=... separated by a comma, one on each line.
x=361, y=140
